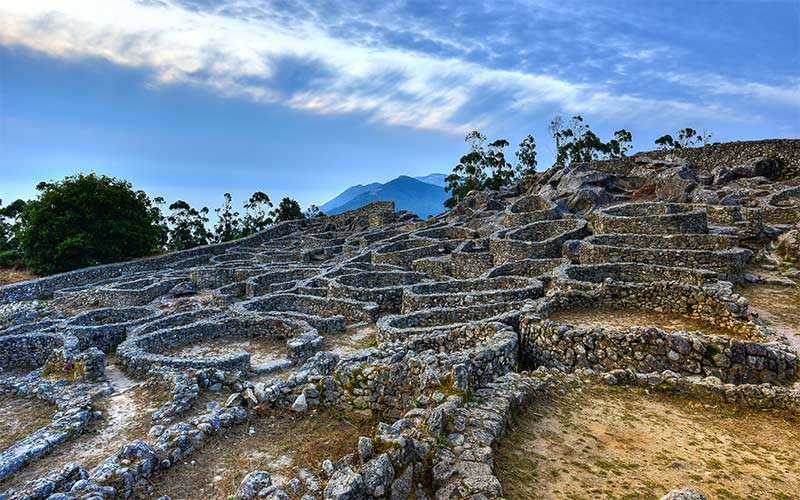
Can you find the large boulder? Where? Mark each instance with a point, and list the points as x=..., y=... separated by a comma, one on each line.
x=579, y=188
x=676, y=184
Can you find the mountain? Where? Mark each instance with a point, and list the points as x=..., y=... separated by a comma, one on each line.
x=347, y=195
x=407, y=193
x=435, y=179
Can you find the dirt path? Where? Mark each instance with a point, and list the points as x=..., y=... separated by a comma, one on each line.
x=625, y=443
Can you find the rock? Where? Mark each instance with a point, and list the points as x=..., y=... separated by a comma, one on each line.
x=345, y=484
x=676, y=184
x=378, y=475
x=300, y=405
x=684, y=494
x=252, y=484
x=401, y=487
x=365, y=448
x=183, y=289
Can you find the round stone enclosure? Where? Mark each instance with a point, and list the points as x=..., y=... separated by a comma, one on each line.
x=459, y=293
x=529, y=209
x=536, y=240
x=327, y=314
x=139, y=354
x=106, y=328
x=651, y=218
x=384, y=288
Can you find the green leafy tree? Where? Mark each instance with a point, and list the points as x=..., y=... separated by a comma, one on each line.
x=486, y=167
x=10, y=230
x=469, y=174
x=288, y=209
x=526, y=157
x=313, y=211
x=256, y=217
x=229, y=226
x=687, y=138
x=187, y=226
x=579, y=144
x=84, y=220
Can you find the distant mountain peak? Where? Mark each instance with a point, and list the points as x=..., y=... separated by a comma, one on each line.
x=422, y=195
x=435, y=179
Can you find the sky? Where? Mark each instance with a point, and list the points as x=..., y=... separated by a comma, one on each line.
x=189, y=99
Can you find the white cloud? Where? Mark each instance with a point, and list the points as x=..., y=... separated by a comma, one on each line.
x=237, y=56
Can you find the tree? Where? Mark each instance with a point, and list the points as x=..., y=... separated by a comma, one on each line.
x=84, y=220
x=579, y=144
x=687, y=138
x=229, y=226
x=526, y=157
x=10, y=230
x=313, y=211
x=288, y=209
x=187, y=226
x=469, y=174
x=487, y=168
x=256, y=217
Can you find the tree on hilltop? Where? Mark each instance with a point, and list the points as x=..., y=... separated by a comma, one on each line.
x=486, y=167
x=288, y=209
x=229, y=226
x=257, y=216
x=187, y=226
x=84, y=220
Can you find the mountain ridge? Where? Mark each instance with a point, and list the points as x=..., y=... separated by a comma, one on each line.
x=408, y=193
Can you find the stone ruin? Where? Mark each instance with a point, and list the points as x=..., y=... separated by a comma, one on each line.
x=463, y=314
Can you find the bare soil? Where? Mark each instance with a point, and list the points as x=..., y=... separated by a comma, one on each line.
x=261, y=349
x=281, y=444
x=778, y=306
x=622, y=319
x=351, y=340
x=610, y=442
x=21, y=416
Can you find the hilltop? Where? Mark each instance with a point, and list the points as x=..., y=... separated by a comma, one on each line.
x=614, y=328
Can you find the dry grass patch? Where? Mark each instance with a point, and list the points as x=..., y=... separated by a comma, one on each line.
x=351, y=340
x=777, y=305
x=622, y=319
x=12, y=275
x=126, y=417
x=262, y=349
x=281, y=443
x=625, y=443
x=21, y=416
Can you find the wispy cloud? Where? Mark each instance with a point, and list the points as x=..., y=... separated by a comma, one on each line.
x=397, y=69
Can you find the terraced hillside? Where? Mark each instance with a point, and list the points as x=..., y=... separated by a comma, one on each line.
x=588, y=333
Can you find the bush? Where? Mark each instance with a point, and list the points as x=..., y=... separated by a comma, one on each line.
x=85, y=220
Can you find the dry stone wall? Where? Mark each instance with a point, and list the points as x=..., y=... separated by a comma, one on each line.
x=425, y=323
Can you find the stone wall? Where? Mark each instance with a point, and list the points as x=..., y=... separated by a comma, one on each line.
x=786, y=151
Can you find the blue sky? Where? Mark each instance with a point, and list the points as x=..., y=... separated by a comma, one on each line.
x=192, y=98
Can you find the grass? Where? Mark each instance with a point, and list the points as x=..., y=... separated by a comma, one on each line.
x=627, y=443
x=282, y=443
